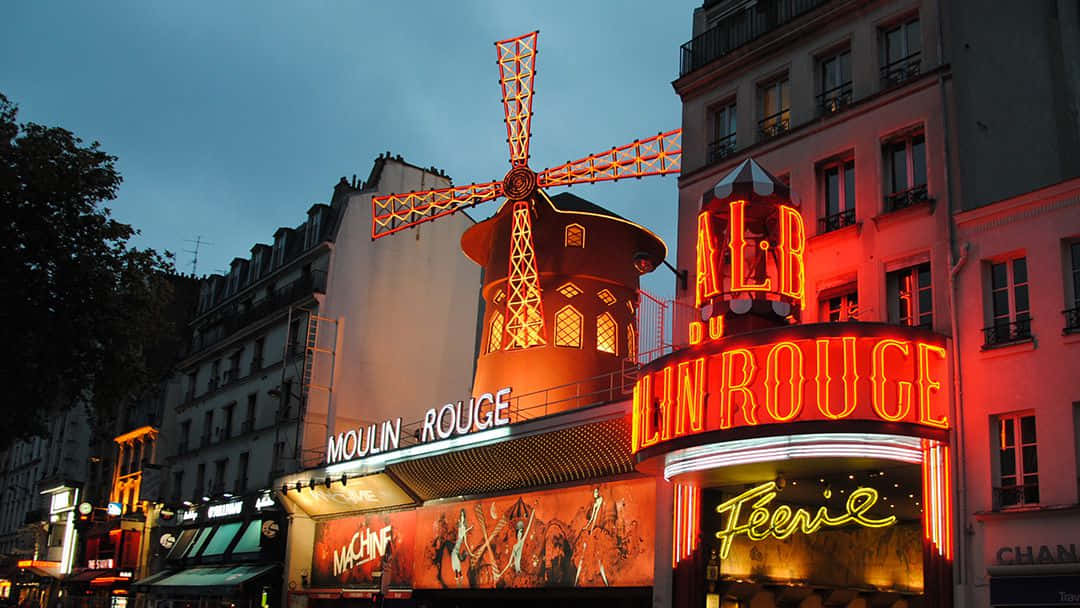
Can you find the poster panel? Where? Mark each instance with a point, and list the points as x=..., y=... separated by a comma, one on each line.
x=593, y=535
x=349, y=551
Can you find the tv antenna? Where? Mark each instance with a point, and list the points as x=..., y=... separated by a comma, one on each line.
x=195, y=252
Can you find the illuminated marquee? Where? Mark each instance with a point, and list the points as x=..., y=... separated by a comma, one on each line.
x=781, y=522
x=826, y=373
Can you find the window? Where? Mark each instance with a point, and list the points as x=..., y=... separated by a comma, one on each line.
x=574, y=236
x=227, y=430
x=569, y=290
x=910, y=297
x=185, y=437
x=233, y=373
x=837, y=195
x=1072, y=315
x=286, y=400
x=249, y=418
x=279, y=249
x=835, y=82
x=192, y=377
x=1009, y=306
x=219, y=476
x=1018, y=460
x=631, y=342
x=257, y=355
x=900, y=52
x=606, y=334
x=256, y=264
x=178, y=484
x=723, y=132
x=568, y=327
x=495, y=332
x=606, y=296
x=841, y=307
x=775, y=108
x=294, y=337
x=208, y=427
x=215, y=375
x=314, y=227
x=905, y=171
x=200, y=479
x=242, y=472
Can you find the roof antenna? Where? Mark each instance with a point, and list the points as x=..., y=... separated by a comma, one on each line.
x=195, y=252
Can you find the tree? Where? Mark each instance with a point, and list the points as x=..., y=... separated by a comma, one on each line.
x=81, y=307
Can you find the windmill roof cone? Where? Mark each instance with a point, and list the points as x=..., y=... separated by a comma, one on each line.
x=560, y=282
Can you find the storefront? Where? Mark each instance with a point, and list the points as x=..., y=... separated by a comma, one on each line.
x=225, y=554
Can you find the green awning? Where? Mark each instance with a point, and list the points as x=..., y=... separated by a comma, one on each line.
x=201, y=577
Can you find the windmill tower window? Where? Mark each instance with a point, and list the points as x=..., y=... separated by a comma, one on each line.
x=495, y=332
x=631, y=343
x=606, y=296
x=606, y=334
x=574, y=236
x=568, y=327
x=569, y=290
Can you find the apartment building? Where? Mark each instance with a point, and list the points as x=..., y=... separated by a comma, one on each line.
x=933, y=150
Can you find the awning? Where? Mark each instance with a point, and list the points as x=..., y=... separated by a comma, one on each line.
x=85, y=575
x=203, y=578
x=41, y=567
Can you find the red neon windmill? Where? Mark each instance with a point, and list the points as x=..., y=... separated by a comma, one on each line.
x=658, y=155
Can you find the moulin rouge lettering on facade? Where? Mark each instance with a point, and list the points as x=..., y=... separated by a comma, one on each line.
x=783, y=521
x=461, y=418
x=364, y=546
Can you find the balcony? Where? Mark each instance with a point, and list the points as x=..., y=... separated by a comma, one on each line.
x=1002, y=332
x=775, y=125
x=739, y=29
x=908, y=198
x=835, y=99
x=1016, y=496
x=721, y=148
x=836, y=221
x=901, y=70
x=1072, y=320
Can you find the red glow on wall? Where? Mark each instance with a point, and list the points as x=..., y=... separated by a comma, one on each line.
x=797, y=375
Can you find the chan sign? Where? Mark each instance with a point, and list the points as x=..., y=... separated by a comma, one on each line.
x=827, y=372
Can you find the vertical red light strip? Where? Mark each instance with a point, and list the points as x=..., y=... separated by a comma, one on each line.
x=937, y=493
x=946, y=493
x=685, y=516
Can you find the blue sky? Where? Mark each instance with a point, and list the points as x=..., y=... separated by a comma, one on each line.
x=231, y=119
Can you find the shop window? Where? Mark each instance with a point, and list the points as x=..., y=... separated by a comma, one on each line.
x=606, y=296
x=1017, y=480
x=568, y=327
x=837, y=191
x=606, y=334
x=911, y=299
x=495, y=332
x=843, y=306
x=222, y=536
x=1009, y=306
x=775, y=108
x=575, y=235
x=499, y=297
x=1072, y=313
x=904, y=163
x=569, y=290
x=631, y=342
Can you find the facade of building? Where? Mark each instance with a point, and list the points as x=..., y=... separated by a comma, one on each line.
x=283, y=347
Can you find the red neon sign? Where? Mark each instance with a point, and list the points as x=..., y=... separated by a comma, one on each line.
x=826, y=372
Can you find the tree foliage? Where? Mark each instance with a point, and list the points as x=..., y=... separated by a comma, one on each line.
x=82, y=308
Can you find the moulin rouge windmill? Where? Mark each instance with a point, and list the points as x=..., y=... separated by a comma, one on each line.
x=521, y=186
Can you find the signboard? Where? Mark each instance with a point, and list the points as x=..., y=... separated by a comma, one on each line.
x=349, y=552
x=452, y=419
x=362, y=493
x=597, y=535
x=825, y=373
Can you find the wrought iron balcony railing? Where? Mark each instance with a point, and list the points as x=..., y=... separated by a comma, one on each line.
x=1015, y=496
x=835, y=99
x=900, y=70
x=1005, y=333
x=775, y=125
x=902, y=200
x=1072, y=319
x=721, y=148
x=836, y=221
x=741, y=28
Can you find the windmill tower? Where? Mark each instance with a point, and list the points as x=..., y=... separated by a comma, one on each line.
x=538, y=249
